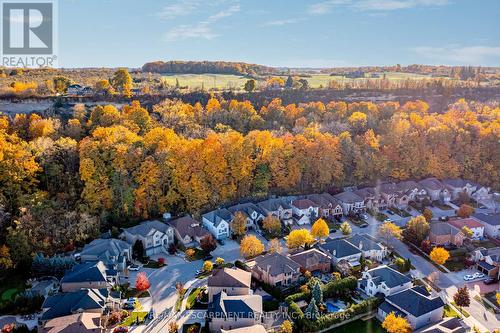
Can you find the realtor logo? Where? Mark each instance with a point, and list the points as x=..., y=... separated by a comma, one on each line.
x=28, y=31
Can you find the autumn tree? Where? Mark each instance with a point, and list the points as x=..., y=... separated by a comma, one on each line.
x=427, y=214
x=462, y=297
x=142, y=282
x=239, y=224
x=417, y=229
x=320, y=229
x=219, y=261
x=298, y=238
x=272, y=225
x=465, y=211
x=286, y=327
x=207, y=243
x=467, y=231
x=251, y=246
x=5, y=260
x=439, y=255
x=345, y=228
x=389, y=230
x=208, y=266
x=122, y=82
x=396, y=324
x=249, y=85
x=274, y=246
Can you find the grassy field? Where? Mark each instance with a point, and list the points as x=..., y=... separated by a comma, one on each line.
x=224, y=81
x=368, y=326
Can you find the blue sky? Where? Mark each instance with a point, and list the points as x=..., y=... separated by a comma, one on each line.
x=294, y=33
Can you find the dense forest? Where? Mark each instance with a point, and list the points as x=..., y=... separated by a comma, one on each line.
x=64, y=181
x=202, y=67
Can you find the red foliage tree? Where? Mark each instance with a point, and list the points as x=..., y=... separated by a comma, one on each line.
x=142, y=282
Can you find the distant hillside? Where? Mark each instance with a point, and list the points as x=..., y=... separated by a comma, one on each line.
x=204, y=67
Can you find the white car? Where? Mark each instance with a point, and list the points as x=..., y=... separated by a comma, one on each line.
x=133, y=267
x=478, y=275
x=468, y=277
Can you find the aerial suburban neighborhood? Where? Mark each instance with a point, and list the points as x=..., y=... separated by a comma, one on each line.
x=230, y=166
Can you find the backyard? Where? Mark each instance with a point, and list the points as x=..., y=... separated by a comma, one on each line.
x=369, y=326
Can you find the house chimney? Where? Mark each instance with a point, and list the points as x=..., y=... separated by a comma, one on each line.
x=361, y=245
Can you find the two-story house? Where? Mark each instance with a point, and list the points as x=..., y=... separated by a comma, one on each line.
x=156, y=236
x=491, y=223
x=339, y=249
x=218, y=222
x=488, y=261
x=305, y=211
x=474, y=225
x=229, y=312
x=351, y=202
x=436, y=191
x=252, y=212
x=412, y=190
x=370, y=248
x=384, y=280
x=312, y=260
x=371, y=198
x=416, y=304
x=112, y=252
x=91, y=275
x=276, y=269
x=232, y=281
x=456, y=186
x=442, y=233
x=328, y=206
x=187, y=230
x=279, y=208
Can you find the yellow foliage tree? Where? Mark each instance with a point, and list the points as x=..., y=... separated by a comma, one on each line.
x=272, y=225
x=251, y=246
x=396, y=324
x=298, y=238
x=389, y=230
x=439, y=255
x=208, y=266
x=286, y=327
x=320, y=229
x=239, y=224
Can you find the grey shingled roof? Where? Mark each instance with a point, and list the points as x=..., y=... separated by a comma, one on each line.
x=217, y=216
x=348, y=197
x=431, y=183
x=415, y=301
x=105, y=247
x=340, y=246
x=246, y=208
x=365, y=193
x=367, y=241
x=276, y=263
x=187, y=226
x=491, y=219
x=230, y=277
x=389, y=276
x=242, y=306
x=86, y=272
x=303, y=203
x=272, y=205
x=64, y=304
x=443, y=228
x=148, y=228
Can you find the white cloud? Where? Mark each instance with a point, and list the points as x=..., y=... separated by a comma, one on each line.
x=202, y=29
x=277, y=23
x=180, y=8
x=327, y=6
x=464, y=55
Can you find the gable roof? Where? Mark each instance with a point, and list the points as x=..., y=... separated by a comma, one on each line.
x=389, y=276
x=230, y=277
x=443, y=228
x=86, y=322
x=415, y=301
x=303, y=203
x=491, y=219
x=408, y=185
x=469, y=223
x=365, y=193
x=272, y=205
x=216, y=217
x=241, y=306
x=86, y=272
x=105, y=248
x=246, y=208
x=456, y=182
x=187, y=226
x=148, y=228
x=276, y=263
x=339, y=248
x=366, y=241
x=334, y=201
x=64, y=304
x=431, y=183
x=388, y=188
x=310, y=257
x=348, y=197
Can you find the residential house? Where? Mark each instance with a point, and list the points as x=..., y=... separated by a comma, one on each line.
x=218, y=222
x=371, y=199
x=78, y=90
x=416, y=305
x=475, y=226
x=45, y=287
x=389, y=193
x=156, y=236
x=442, y=233
x=252, y=212
x=351, y=202
x=276, y=269
x=84, y=322
x=312, y=260
x=482, y=194
x=232, y=281
x=383, y=280
x=114, y=253
x=279, y=208
x=491, y=223
x=187, y=230
x=370, y=248
x=92, y=275
x=435, y=190
x=68, y=303
x=229, y=312
x=446, y=325
x=305, y=211
x=457, y=186
x=328, y=206
x=488, y=261
x=340, y=249
x=250, y=329
x=412, y=190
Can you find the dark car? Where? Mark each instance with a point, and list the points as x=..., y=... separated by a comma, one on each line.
x=490, y=281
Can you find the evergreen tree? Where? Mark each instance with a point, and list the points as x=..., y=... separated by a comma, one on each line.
x=289, y=82
x=312, y=311
x=317, y=293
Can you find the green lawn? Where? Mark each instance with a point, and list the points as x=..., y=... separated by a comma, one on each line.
x=10, y=286
x=130, y=320
x=450, y=312
x=484, y=243
x=135, y=293
x=465, y=313
x=455, y=266
x=191, y=299
x=368, y=326
x=198, y=254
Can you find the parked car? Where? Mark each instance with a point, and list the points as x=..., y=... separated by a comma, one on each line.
x=390, y=212
x=478, y=275
x=133, y=267
x=489, y=281
x=387, y=220
x=468, y=277
x=364, y=217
